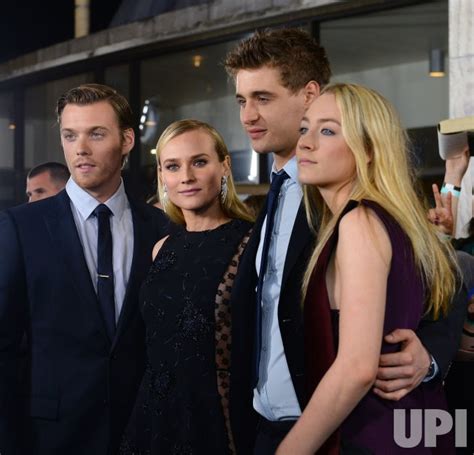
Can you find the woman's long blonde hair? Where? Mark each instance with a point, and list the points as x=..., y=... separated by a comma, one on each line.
x=232, y=206
x=373, y=132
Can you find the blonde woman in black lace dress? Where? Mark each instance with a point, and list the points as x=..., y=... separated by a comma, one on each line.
x=182, y=404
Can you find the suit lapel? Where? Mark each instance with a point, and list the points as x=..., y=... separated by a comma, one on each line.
x=142, y=250
x=300, y=239
x=62, y=229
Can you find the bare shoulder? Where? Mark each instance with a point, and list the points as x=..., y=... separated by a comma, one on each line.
x=158, y=246
x=361, y=230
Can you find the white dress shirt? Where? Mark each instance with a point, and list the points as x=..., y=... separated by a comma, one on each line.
x=275, y=396
x=121, y=225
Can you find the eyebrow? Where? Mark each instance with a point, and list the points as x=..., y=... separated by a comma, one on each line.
x=92, y=128
x=193, y=157
x=322, y=120
x=256, y=93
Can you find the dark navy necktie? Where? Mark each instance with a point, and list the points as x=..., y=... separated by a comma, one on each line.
x=105, y=270
x=271, y=205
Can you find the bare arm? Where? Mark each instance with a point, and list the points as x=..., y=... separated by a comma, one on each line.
x=362, y=263
x=456, y=167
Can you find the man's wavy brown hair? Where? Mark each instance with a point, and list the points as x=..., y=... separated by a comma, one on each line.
x=297, y=56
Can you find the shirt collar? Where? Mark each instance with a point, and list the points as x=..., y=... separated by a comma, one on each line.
x=291, y=168
x=86, y=204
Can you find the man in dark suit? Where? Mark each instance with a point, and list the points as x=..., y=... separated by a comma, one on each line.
x=70, y=271
x=278, y=74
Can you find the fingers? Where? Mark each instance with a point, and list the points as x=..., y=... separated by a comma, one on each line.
x=395, y=359
x=392, y=396
x=400, y=335
x=433, y=217
x=393, y=385
x=437, y=197
x=449, y=202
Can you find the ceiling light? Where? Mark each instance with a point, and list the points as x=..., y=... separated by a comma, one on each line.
x=436, y=63
x=197, y=60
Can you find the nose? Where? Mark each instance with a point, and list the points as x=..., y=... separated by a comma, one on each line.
x=306, y=143
x=187, y=174
x=82, y=147
x=249, y=113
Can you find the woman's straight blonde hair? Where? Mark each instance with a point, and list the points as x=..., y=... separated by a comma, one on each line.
x=232, y=206
x=373, y=132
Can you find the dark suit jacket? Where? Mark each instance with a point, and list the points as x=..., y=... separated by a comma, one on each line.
x=76, y=389
x=243, y=418
x=441, y=337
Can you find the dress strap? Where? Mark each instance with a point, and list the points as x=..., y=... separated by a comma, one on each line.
x=223, y=335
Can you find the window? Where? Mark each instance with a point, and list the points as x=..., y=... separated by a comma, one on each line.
x=42, y=142
x=194, y=84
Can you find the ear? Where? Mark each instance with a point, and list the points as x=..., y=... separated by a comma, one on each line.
x=159, y=172
x=311, y=91
x=128, y=141
x=227, y=166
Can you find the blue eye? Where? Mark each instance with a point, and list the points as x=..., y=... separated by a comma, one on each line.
x=68, y=137
x=327, y=132
x=171, y=167
x=200, y=163
x=303, y=130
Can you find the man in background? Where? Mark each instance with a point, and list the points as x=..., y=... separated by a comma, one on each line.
x=46, y=180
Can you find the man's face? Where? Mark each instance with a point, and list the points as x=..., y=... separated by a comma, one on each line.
x=41, y=186
x=94, y=147
x=269, y=112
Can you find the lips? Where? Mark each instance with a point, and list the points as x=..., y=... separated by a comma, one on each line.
x=256, y=133
x=305, y=162
x=85, y=167
x=190, y=192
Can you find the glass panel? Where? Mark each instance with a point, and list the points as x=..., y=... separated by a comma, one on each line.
x=389, y=51
x=7, y=129
x=41, y=131
x=117, y=78
x=194, y=84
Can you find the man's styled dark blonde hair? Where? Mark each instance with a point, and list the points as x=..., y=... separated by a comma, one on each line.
x=93, y=93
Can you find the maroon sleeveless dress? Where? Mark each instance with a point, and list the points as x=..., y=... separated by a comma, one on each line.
x=369, y=427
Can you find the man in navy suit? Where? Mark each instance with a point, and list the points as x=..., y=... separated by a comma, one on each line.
x=85, y=354
x=278, y=74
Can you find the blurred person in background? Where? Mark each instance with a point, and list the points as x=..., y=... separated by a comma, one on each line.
x=46, y=180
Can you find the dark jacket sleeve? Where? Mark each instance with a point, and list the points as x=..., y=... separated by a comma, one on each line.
x=442, y=337
x=13, y=316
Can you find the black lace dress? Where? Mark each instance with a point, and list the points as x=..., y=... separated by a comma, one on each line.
x=179, y=409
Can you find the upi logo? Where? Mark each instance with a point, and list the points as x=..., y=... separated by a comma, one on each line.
x=437, y=422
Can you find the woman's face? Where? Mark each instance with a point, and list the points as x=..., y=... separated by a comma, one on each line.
x=191, y=171
x=324, y=158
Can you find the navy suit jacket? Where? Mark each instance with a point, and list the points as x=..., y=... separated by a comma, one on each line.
x=440, y=337
x=64, y=387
